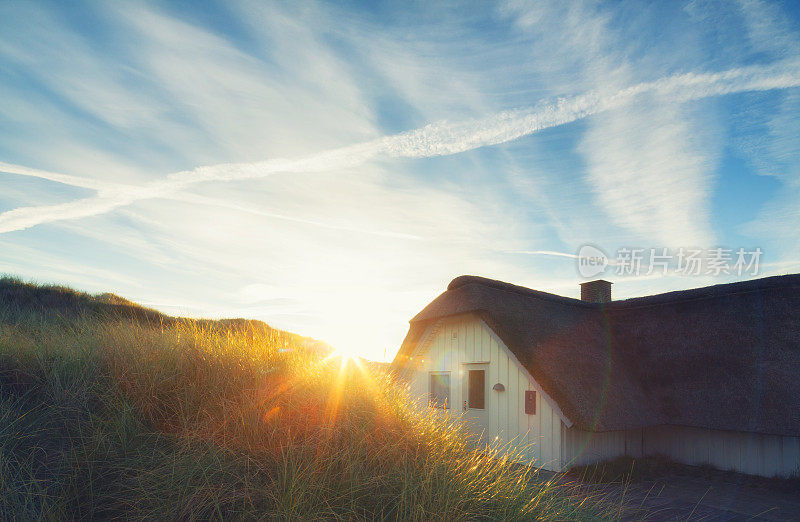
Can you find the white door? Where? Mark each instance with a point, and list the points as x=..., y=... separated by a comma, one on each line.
x=474, y=394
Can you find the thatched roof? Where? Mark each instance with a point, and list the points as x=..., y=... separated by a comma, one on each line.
x=724, y=357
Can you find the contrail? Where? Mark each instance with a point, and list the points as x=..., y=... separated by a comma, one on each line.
x=552, y=253
x=65, y=179
x=436, y=139
x=90, y=206
x=543, y=253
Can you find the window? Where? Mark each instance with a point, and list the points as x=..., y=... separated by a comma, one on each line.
x=476, y=389
x=440, y=390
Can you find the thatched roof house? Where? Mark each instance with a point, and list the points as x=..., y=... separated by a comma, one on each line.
x=644, y=375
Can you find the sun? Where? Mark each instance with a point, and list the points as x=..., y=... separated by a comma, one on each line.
x=346, y=353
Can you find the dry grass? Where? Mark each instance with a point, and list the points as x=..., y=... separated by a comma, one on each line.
x=115, y=419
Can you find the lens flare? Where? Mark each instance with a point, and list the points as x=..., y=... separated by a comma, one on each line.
x=346, y=353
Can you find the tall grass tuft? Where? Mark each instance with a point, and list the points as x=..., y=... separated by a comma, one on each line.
x=112, y=418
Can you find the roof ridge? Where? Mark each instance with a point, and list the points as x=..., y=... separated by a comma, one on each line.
x=673, y=296
x=709, y=292
x=465, y=280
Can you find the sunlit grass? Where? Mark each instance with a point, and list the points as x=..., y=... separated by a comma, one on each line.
x=115, y=419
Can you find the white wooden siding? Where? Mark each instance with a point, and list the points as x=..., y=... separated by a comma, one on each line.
x=539, y=435
x=753, y=453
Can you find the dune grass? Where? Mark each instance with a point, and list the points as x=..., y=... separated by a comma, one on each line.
x=112, y=418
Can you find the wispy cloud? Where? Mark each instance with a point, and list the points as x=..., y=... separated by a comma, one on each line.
x=351, y=225
x=647, y=168
x=775, y=150
x=437, y=139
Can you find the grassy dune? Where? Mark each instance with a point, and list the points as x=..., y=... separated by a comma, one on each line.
x=104, y=415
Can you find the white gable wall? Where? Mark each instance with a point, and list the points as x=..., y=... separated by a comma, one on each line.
x=454, y=342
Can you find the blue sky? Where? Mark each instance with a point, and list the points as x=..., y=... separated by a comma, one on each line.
x=328, y=168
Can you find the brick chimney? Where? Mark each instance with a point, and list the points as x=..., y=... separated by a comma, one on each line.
x=598, y=291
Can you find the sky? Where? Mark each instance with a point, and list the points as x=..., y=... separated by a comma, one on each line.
x=330, y=167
